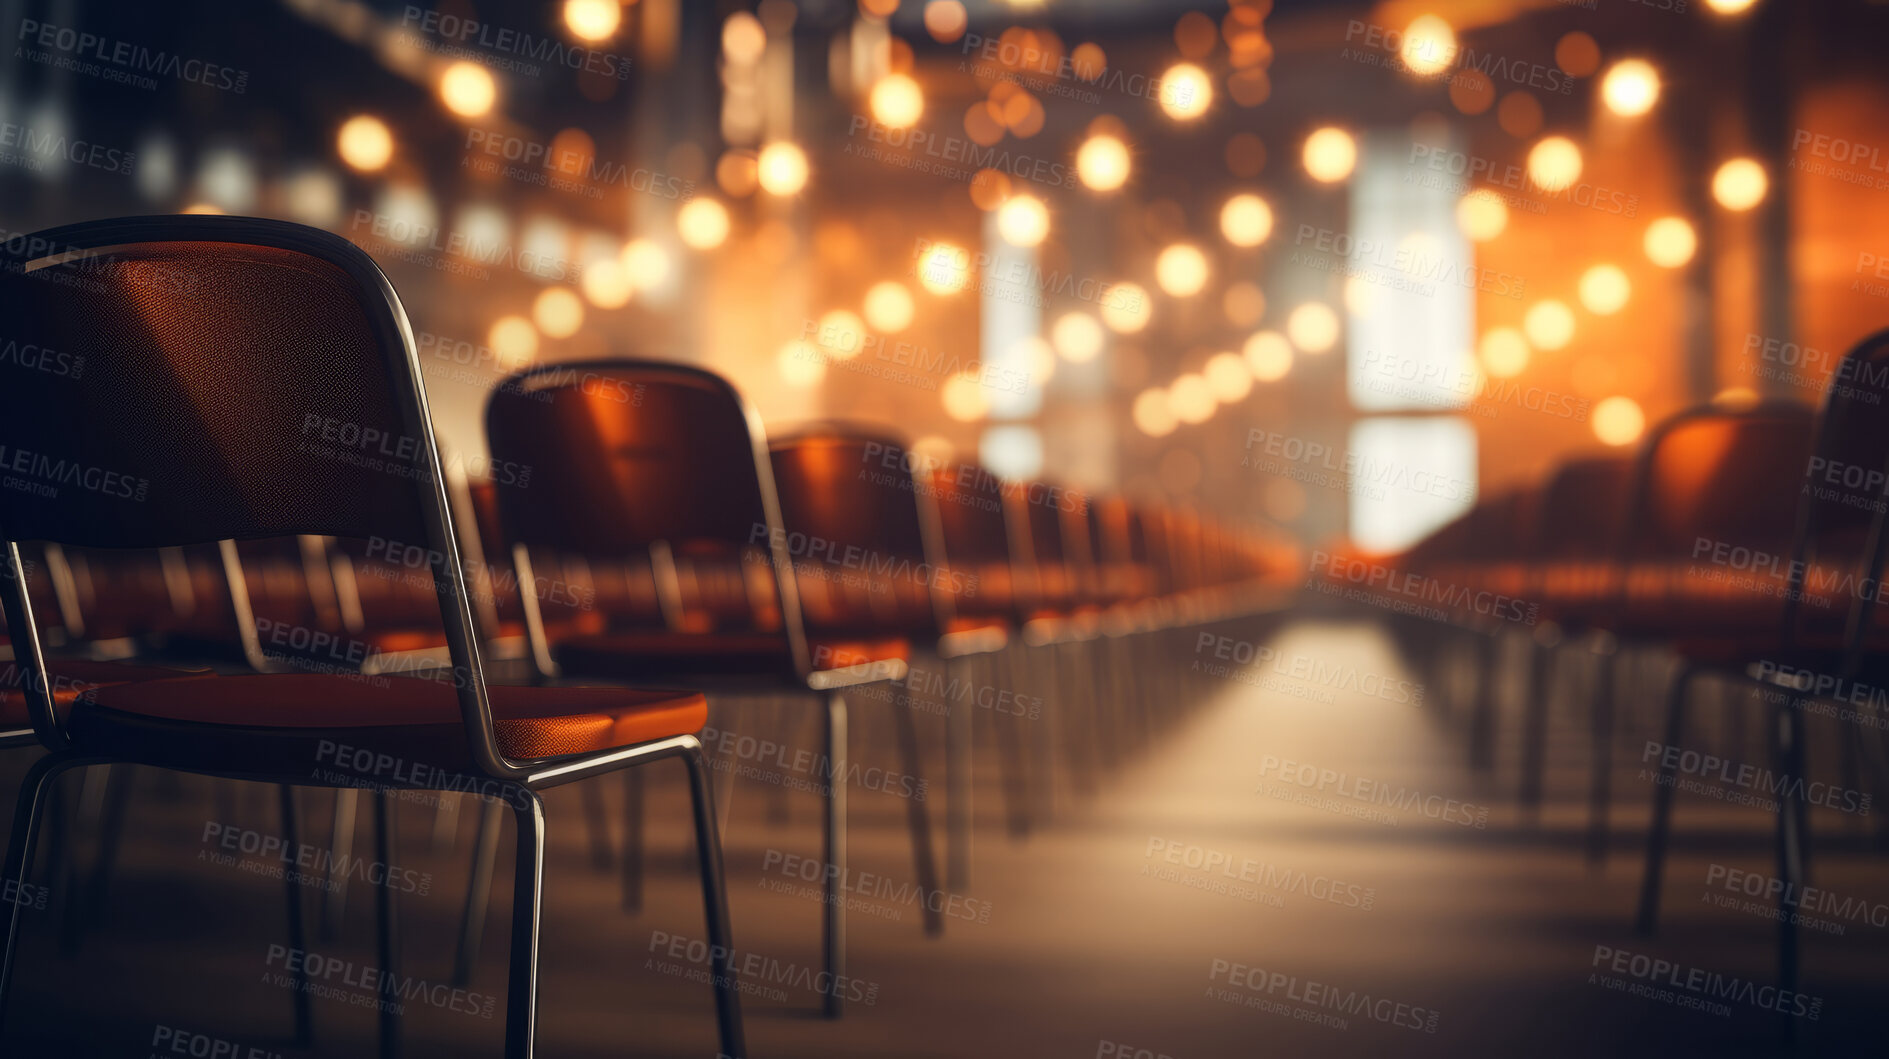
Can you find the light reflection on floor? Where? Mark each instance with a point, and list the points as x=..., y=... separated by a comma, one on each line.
x=1120, y=925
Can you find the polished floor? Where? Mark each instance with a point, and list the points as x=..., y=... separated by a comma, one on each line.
x=1196, y=903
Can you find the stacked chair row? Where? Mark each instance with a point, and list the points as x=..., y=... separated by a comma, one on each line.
x=239, y=541
x=1742, y=545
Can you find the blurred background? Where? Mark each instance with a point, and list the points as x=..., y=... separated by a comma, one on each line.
x=1334, y=270
x=1437, y=246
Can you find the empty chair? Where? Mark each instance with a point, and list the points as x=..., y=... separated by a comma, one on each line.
x=664, y=468
x=222, y=351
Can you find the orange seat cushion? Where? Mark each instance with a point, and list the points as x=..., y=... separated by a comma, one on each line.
x=641, y=653
x=530, y=722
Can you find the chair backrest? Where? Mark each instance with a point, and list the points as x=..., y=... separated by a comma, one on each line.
x=1845, y=507
x=634, y=458
x=863, y=532
x=976, y=535
x=1581, y=508
x=1731, y=475
x=244, y=378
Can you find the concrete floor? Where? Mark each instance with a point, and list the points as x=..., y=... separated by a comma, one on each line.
x=1267, y=932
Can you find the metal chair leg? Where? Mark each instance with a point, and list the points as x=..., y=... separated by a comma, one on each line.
x=715, y=907
x=833, y=835
x=334, y=902
x=1541, y=666
x=1787, y=738
x=1010, y=732
x=1601, y=758
x=35, y=791
x=633, y=823
x=298, y=931
x=959, y=733
x=478, y=890
x=521, y=998
x=1482, y=721
x=918, y=818
x=386, y=930
x=1648, y=919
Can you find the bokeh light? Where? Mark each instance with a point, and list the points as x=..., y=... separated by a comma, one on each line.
x=1102, y=163
x=1268, y=356
x=1739, y=184
x=1313, y=327
x=1605, y=289
x=1618, y=420
x=782, y=168
x=1077, y=337
x=1549, y=324
x=1670, y=242
x=1181, y=270
x=1630, y=88
x=365, y=143
x=1246, y=220
x=1330, y=154
x=889, y=307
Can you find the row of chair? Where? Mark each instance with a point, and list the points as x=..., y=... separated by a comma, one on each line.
x=238, y=541
x=1741, y=544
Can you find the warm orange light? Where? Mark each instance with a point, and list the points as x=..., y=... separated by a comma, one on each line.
x=743, y=40
x=1313, y=327
x=1330, y=154
x=1618, y=421
x=840, y=334
x=592, y=19
x=702, y=223
x=945, y=20
x=1181, y=270
x=1268, y=356
x=1246, y=220
x=1504, y=352
x=964, y=398
x=1229, y=377
x=800, y=364
x=782, y=168
x=558, y=312
x=1630, y=88
x=1729, y=7
x=1102, y=162
x=1152, y=414
x=365, y=143
x=889, y=307
x=607, y=284
x=1739, y=184
x=645, y=263
x=1077, y=337
x=513, y=340
x=1186, y=91
x=1554, y=163
x=945, y=269
x=1482, y=215
x=1549, y=324
x=1023, y=220
x=1191, y=399
x=1670, y=242
x=897, y=101
x=467, y=89
x=1605, y=289
x=1125, y=308
x=1429, y=46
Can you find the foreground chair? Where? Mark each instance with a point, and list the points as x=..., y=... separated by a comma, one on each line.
x=658, y=474
x=241, y=364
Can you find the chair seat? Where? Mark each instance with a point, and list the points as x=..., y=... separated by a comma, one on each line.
x=401, y=715
x=640, y=653
x=71, y=678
